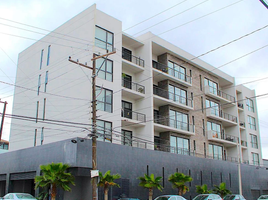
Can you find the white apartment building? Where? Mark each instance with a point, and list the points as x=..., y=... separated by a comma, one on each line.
x=151, y=94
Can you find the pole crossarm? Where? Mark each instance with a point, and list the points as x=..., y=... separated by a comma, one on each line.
x=78, y=63
x=104, y=55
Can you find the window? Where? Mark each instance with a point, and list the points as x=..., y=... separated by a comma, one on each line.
x=176, y=71
x=213, y=86
x=37, y=108
x=126, y=109
x=41, y=59
x=126, y=138
x=104, y=39
x=42, y=135
x=178, y=120
x=215, y=128
x=250, y=105
x=48, y=54
x=104, y=99
x=254, y=141
x=46, y=81
x=177, y=94
x=179, y=145
x=106, y=70
x=44, y=109
x=126, y=81
x=104, y=131
x=215, y=151
x=126, y=54
x=35, y=135
x=255, y=159
x=39, y=84
x=252, y=123
x=214, y=107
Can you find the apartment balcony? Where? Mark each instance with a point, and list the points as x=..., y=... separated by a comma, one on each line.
x=132, y=118
x=228, y=140
x=164, y=97
x=226, y=119
x=244, y=144
x=164, y=123
x=240, y=106
x=163, y=72
x=132, y=90
x=132, y=63
x=242, y=125
x=224, y=98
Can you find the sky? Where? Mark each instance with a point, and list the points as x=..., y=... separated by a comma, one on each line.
x=197, y=26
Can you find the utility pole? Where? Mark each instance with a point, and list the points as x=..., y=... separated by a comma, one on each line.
x=94, y=119
x=3, y=117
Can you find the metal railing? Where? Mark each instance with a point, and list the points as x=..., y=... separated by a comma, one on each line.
x=133, y=115
x=223, y=136
x=133, y=59
x=165, y=120
x=221, y=114
x=172, y=72
x=174, y=97
x=244, y=143
x=133, y=86
x=220, y=93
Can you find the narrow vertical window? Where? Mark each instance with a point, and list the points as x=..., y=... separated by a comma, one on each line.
x=190, y=183
x=163, y=176
x=201, y=177
x=46, y=81
x=48, y=54
x=41, y=59
x=39, y=84
x=194, y=145
x=205, y=150
x=35, y=135
x=42, y=135
x=148, y=170
x=44, y=109
x=37, y=107
x=202, y=104
x=211, y=178
x=200, y=82
x=203, y=124
x=230, y=180
x=177, y=169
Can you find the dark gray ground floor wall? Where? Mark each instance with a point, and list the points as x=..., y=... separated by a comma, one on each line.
x=131, y=163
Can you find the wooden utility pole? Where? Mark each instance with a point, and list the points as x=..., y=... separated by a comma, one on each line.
x=3, y=117
x=94, y=118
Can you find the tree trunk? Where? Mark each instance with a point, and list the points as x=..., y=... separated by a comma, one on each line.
x=150, y=193
x=106, y=193
x=53, y=192
x=180, y=191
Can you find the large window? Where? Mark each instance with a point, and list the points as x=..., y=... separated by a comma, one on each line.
x=176, y=71
x=179, y=145
x=215, y=128
x=213, y=86
x=126, y=138
x=104, y=131
x=214, y=107
x=250, y=105
x=254, y=141
x=178, y=120
x=255, y=159
x=252, y=123
x=104, y=99
x=177, y=94
x=215, y=151
x=104, y=39
x=106, y=70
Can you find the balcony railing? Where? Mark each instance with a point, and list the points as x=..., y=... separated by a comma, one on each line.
x=133, y=115
x=240, y=105
x=133, y=86
x=220, y=93
x=221, y=114
x=172, y=72
x=165, y=120
x=223, y=136
x=174, y=97
x=133, y=59
x=244, y=143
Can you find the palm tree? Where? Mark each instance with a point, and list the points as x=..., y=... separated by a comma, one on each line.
x=150, y=183
x=178, y=181
x=221, y=190
x=54, y=175
x=202, y=189
x=106, y=181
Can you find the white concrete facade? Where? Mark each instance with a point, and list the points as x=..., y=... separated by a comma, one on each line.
x=65, y=98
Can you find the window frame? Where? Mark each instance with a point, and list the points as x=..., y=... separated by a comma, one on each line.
x=183, y=150
x=104, y=66
x=211, y=84
x=41, y=58
x=124, y=137
x=252, y=123
x=211, y=151
x=48, y=54
x=176, y=120
x=172, y=94
x=254, y=161
x=105, y=130
x=212, y=105
x=254, y=141
x=106, y=39
x=177, y=70
x=46, y=82
x=104, y=102
x=250, y=105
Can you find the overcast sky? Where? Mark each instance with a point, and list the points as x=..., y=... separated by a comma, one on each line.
x=196, y=26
